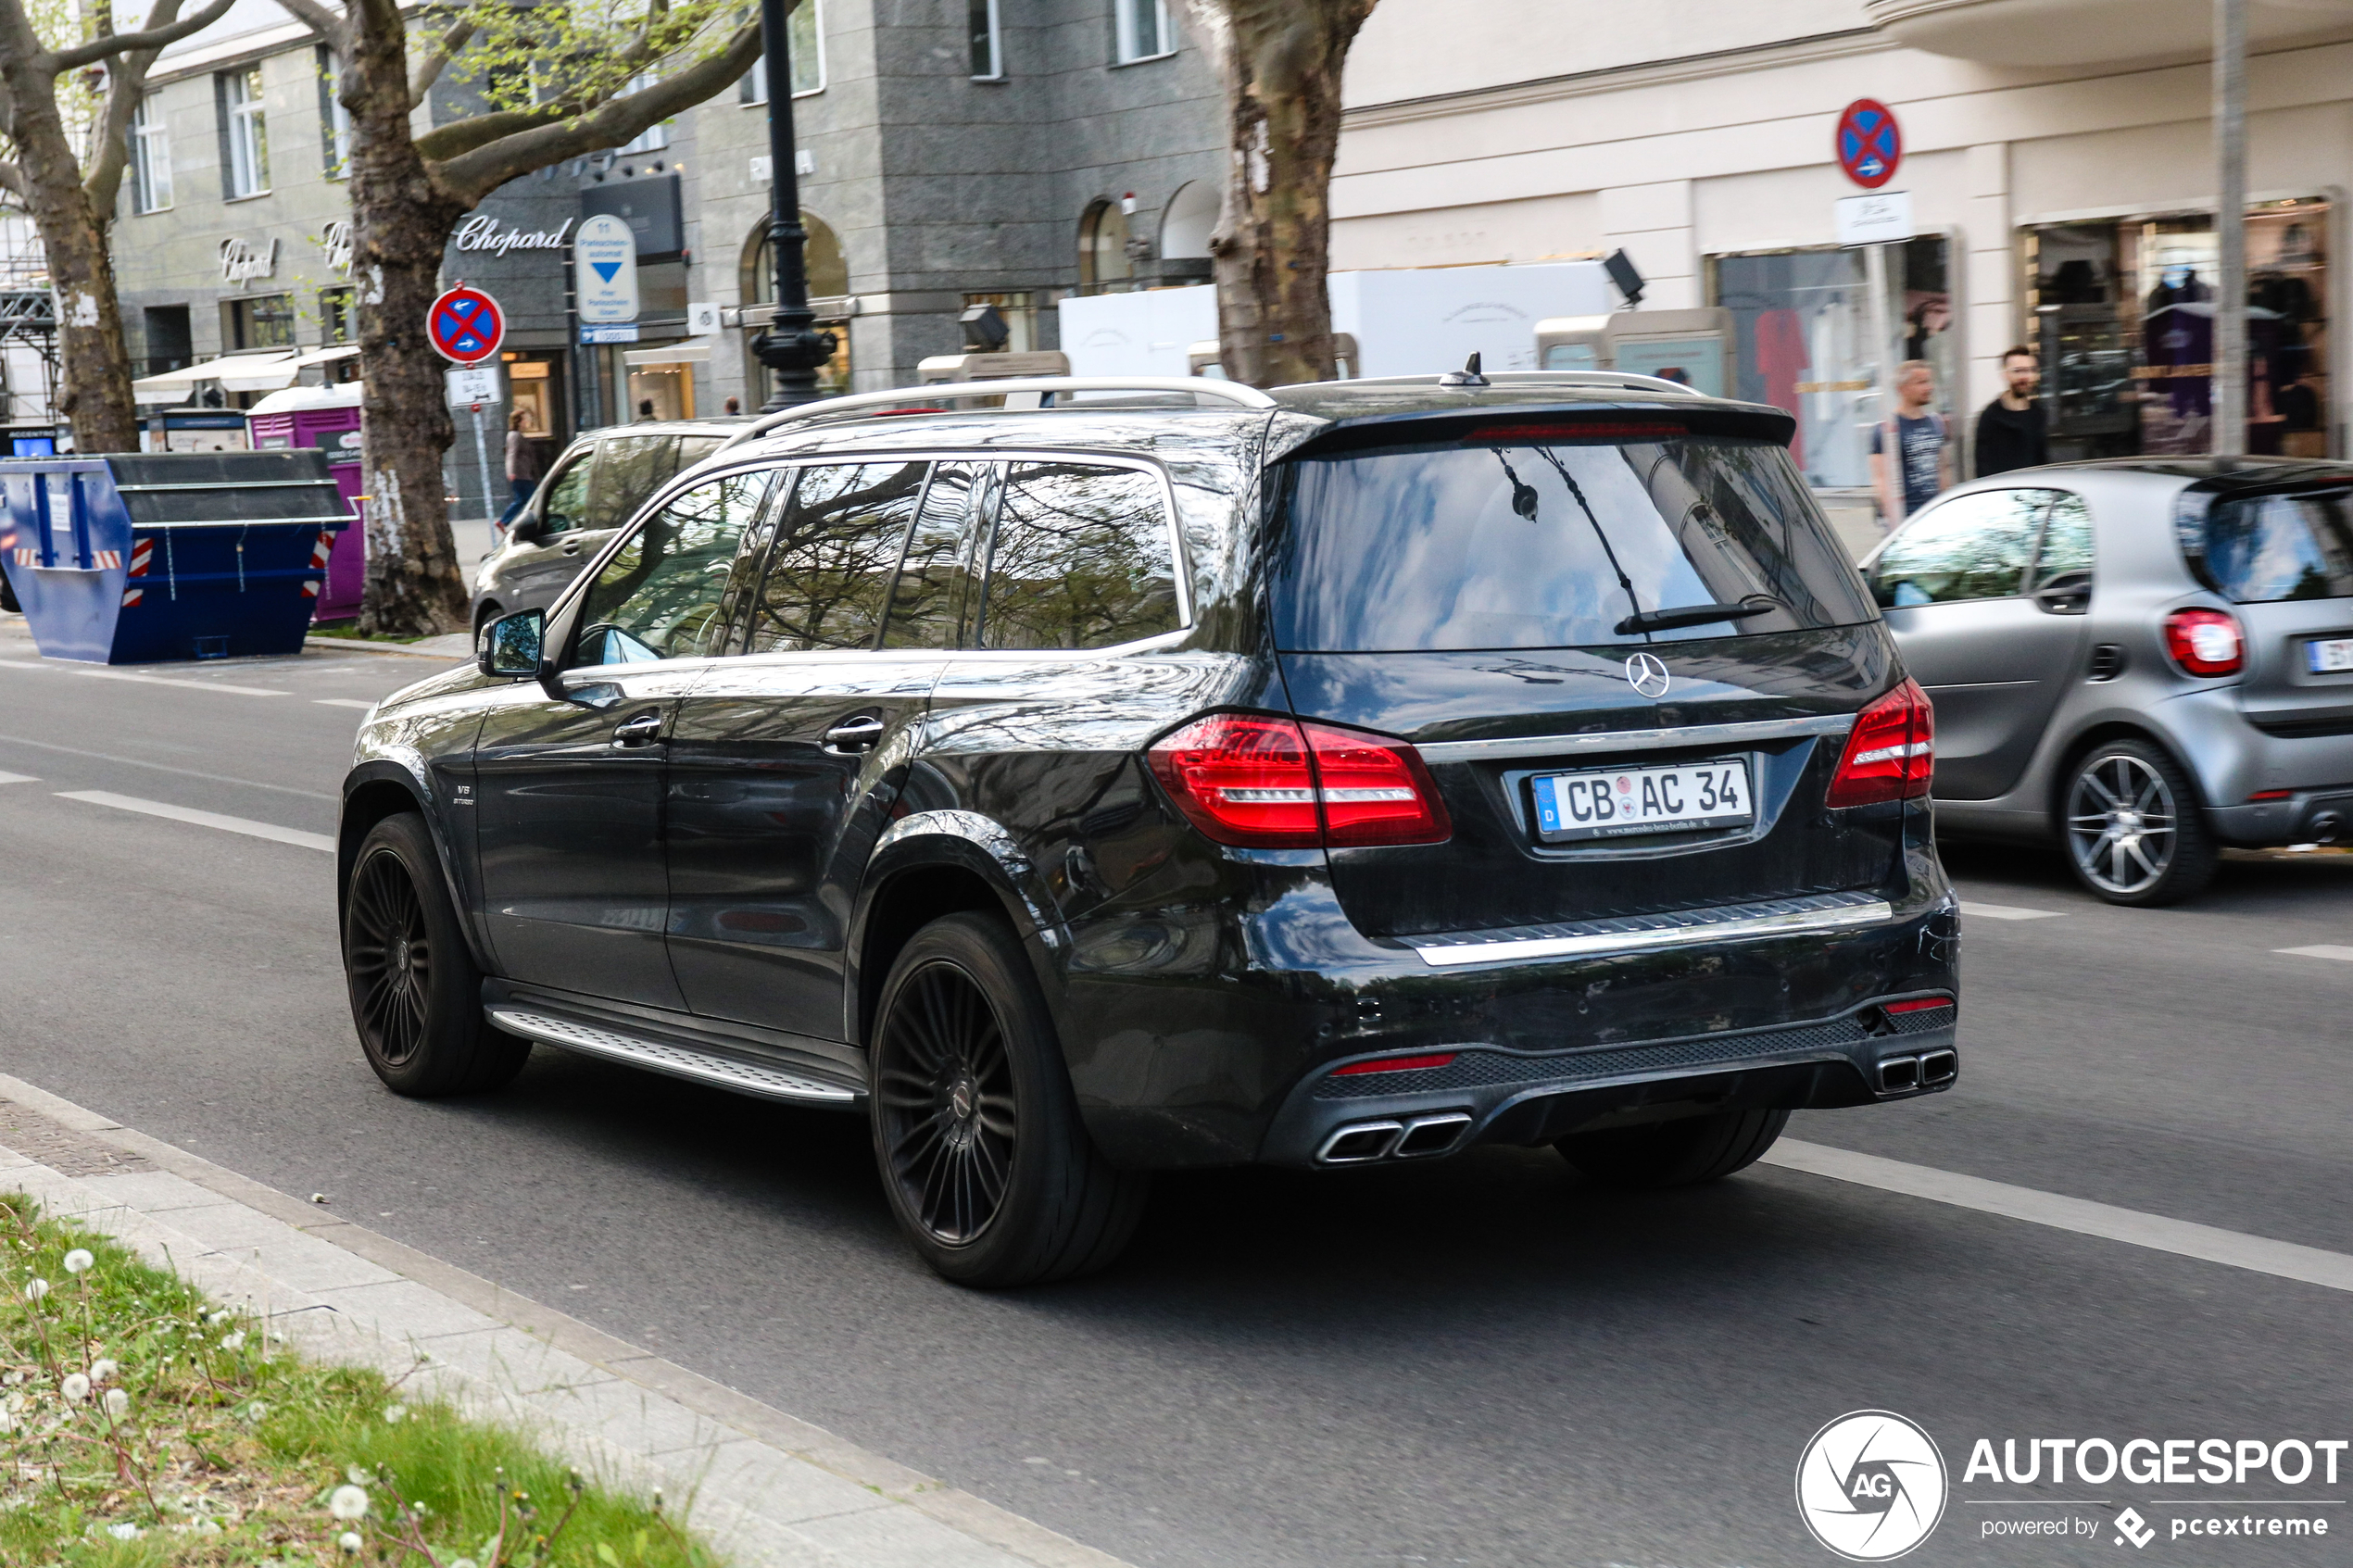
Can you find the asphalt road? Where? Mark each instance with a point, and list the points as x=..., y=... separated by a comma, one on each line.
x=1476, y=1362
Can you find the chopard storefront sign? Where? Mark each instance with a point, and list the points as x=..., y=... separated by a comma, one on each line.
x=481, y=233
x=244, y=260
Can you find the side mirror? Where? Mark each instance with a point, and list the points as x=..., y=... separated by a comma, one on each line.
x=528, y=529
x=512, y=644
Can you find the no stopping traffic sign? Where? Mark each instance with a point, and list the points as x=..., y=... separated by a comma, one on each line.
x=1869, y=144
x=466, y=325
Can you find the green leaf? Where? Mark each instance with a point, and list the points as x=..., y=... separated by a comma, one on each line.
x=605, y=1553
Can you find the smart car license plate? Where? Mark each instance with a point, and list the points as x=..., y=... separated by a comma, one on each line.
x=1622, y=802
x=2328, y=656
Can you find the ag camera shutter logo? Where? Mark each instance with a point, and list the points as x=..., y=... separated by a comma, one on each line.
x=1871, y=1485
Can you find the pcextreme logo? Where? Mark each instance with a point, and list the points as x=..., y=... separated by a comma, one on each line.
x=1871, y=1485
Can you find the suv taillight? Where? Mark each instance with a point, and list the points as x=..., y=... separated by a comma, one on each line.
x=1892, y=753
x=1276, y=783
x=2205, y=642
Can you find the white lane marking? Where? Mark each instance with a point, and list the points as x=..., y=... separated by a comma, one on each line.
x=2005, y=911
x=165, y=768
x=18, y=778
x=2286, y=1260
x=2318, y=950
x=202, y=818
x=145, y=680
x=341, y=702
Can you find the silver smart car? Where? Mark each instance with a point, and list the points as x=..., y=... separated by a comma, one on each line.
x=595, y=487
x=2145, y=659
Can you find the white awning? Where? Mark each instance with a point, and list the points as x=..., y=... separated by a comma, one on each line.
x=270, y=378
x=173, y=386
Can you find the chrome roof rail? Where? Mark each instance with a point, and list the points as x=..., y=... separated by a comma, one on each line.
x=1234, y=392
x=1630, y=381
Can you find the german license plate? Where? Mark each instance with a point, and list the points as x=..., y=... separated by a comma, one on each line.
x=2328, y=656
x=1622, y=802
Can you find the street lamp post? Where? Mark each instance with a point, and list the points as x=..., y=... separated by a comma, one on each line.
x=791, y=345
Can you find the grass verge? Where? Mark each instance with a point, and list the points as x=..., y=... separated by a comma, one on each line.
x=142, y=1425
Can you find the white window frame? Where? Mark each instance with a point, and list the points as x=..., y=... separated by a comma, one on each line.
x=1126, y=47
x=248, y=135
x=150, y=156
x=338, y=126
x=996, y=42
x=755, y=81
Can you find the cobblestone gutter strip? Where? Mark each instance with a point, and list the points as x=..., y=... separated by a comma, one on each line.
x=770, y=1490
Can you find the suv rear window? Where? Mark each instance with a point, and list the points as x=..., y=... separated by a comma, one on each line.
x=2261, y=548
x=1536, y=540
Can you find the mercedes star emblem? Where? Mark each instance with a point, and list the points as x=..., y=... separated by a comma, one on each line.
x=1647, y=675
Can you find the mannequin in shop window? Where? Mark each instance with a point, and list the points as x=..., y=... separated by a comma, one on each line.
x=1911, y=454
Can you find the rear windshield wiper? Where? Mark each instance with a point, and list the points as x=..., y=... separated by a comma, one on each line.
x=1695, y=615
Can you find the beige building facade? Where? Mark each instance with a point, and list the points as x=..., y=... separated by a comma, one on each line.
x=2057, y=158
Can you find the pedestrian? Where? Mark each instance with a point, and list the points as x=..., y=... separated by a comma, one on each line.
x=1922, y=451
x=734, y=407
x=645, y=409
x=522, y=464
x=2010, y=432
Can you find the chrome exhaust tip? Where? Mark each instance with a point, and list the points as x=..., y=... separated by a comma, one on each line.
x=1426, y=1136
x=1899, y=1074
x=1940, y=1067
x=1359, y=1143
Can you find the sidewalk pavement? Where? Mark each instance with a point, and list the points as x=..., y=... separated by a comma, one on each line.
x=768, y=1490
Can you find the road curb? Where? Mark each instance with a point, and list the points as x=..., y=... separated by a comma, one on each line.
x=776, y=1491
x=419, y=649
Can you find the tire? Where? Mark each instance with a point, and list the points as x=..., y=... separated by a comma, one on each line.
x=2135, y=833
x=989, y=1171
x=416, y=995
x=1674, y=1154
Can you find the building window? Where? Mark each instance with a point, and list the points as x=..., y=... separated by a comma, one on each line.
x=338, y=316
x=654, y=137
x=2124, y=323
x=1104, y=266
x=1143, y=30
x=988, y=45
x=805, y=37
x=150, y=156
x=243, y=132
x=335, y=121
x=264, y=322
x=828, y=273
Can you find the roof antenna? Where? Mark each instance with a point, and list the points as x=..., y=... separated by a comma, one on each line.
x=1467, y=376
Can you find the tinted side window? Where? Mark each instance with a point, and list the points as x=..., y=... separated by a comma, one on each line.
x=837, y=550
x=568, y=496
x=629, y=469
x=1972, y=547
x=1079, y=559
x=2067, y=539
x=664, y=594
x=2271, y=547
x=929, y=602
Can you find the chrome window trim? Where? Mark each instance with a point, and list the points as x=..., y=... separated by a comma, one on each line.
x=1678, y=932
x=1662, y=739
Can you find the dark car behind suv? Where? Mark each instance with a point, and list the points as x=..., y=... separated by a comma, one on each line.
x=1347, y=776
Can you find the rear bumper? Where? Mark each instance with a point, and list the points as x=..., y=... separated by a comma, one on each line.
x=1484, y=1096
x=2231, y=759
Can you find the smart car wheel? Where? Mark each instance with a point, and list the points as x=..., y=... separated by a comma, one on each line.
x=1674, y=1154
x=990, y=1169
x=2135, y=833
x=416, y=996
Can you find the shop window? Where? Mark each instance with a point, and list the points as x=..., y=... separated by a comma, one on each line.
x=264, y=322
x=2123, y=313
x=1104, y=266
x=1816, y=330
x=150, y=156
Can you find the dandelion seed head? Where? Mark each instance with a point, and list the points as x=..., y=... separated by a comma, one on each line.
x=355, y=1475
x=36, y=1289
x=125, y=1532
x=117, y=1404
x=76, y=1388
x=102, y=1369
x=349, y=1541
x=79, y=1262
x=395, y=1414
x=349, y=1502
x=233, y=1341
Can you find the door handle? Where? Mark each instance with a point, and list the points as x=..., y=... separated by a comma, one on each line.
x=860, y=732
x=643, y=729
x=572, y=548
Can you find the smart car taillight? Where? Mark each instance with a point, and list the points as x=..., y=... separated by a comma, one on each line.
x=2205, y=642
x=1891, y=755
x=1274, y=784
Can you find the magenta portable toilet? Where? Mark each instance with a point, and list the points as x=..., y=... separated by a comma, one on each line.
x=326, y=418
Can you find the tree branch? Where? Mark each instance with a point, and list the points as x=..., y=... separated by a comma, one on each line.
x=437, y=59
x=12, y=181
x=126, y=85
x=474, y=174
x=446, y=142
x=331, y=28
x=58, y=61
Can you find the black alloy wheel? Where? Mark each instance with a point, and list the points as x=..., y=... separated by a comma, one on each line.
x=984, y=1157
x=948, y=1113
x=416, y=993
x=2135, y=833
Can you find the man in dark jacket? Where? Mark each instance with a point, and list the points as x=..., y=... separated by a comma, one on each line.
x=2010, y=432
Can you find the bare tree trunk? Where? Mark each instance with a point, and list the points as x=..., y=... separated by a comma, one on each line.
x=1281, y=62
x=96, y=394
x=399, y=218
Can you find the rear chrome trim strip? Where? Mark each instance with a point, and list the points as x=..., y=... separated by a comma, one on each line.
x=1635, y=740
x=1681, y=932
x=679, y=1061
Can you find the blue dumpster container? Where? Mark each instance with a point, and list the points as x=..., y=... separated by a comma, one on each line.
x=139, y=557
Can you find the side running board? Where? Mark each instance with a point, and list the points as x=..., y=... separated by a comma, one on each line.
x=679, y=1061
